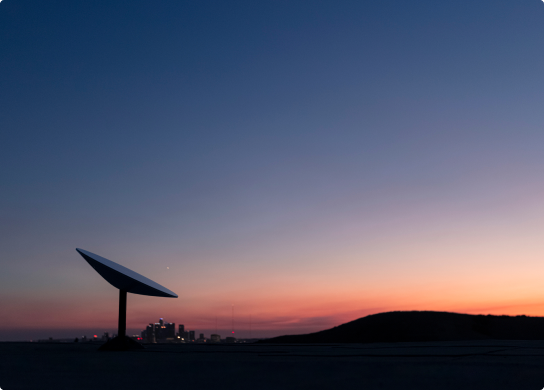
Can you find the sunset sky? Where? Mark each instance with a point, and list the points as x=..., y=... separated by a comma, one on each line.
x=309, y=162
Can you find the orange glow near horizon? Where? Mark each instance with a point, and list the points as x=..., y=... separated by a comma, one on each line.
x=278, y=314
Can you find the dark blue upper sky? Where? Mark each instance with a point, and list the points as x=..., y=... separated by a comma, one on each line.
x=201, y=129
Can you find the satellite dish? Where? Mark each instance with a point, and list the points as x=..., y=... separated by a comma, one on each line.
x=127, y=281
x=124, y=278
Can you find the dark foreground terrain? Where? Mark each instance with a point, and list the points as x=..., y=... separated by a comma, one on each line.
x=429, y=365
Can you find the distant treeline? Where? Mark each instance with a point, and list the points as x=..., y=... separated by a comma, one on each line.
x=404, y=326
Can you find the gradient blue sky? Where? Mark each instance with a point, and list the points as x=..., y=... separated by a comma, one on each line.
x=310, y=162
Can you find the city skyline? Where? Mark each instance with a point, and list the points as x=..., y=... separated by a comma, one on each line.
x=310, y=163
x=169, y=332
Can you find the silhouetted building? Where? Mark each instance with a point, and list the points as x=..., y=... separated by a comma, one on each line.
x=159, y=331
x=163, y=331
x=148, y=335
x=230, y=339
x=215, y=338
x=170, y=330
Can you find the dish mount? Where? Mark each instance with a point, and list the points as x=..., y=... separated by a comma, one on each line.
x=127, y=281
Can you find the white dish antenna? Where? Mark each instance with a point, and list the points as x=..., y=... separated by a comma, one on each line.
x=127, y=281
x=124, y=278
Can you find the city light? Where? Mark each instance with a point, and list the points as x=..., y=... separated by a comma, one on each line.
x=166, y=332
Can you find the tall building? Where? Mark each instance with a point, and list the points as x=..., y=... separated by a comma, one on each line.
x=191, y=335
x=169, y=330
x=163, y=331
x=149, y=333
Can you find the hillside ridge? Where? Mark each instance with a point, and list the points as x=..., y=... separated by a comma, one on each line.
x=418, y=326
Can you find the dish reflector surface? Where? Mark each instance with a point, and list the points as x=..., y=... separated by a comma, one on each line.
x=124, y=278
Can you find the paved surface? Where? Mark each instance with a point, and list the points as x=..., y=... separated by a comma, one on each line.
x=447, y=365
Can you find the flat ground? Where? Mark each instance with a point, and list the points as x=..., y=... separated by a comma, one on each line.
x=439, y=365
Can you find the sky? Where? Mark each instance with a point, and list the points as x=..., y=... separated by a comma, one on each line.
x=283, y=166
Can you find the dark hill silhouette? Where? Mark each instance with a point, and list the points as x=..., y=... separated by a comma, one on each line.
x=424, y=326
